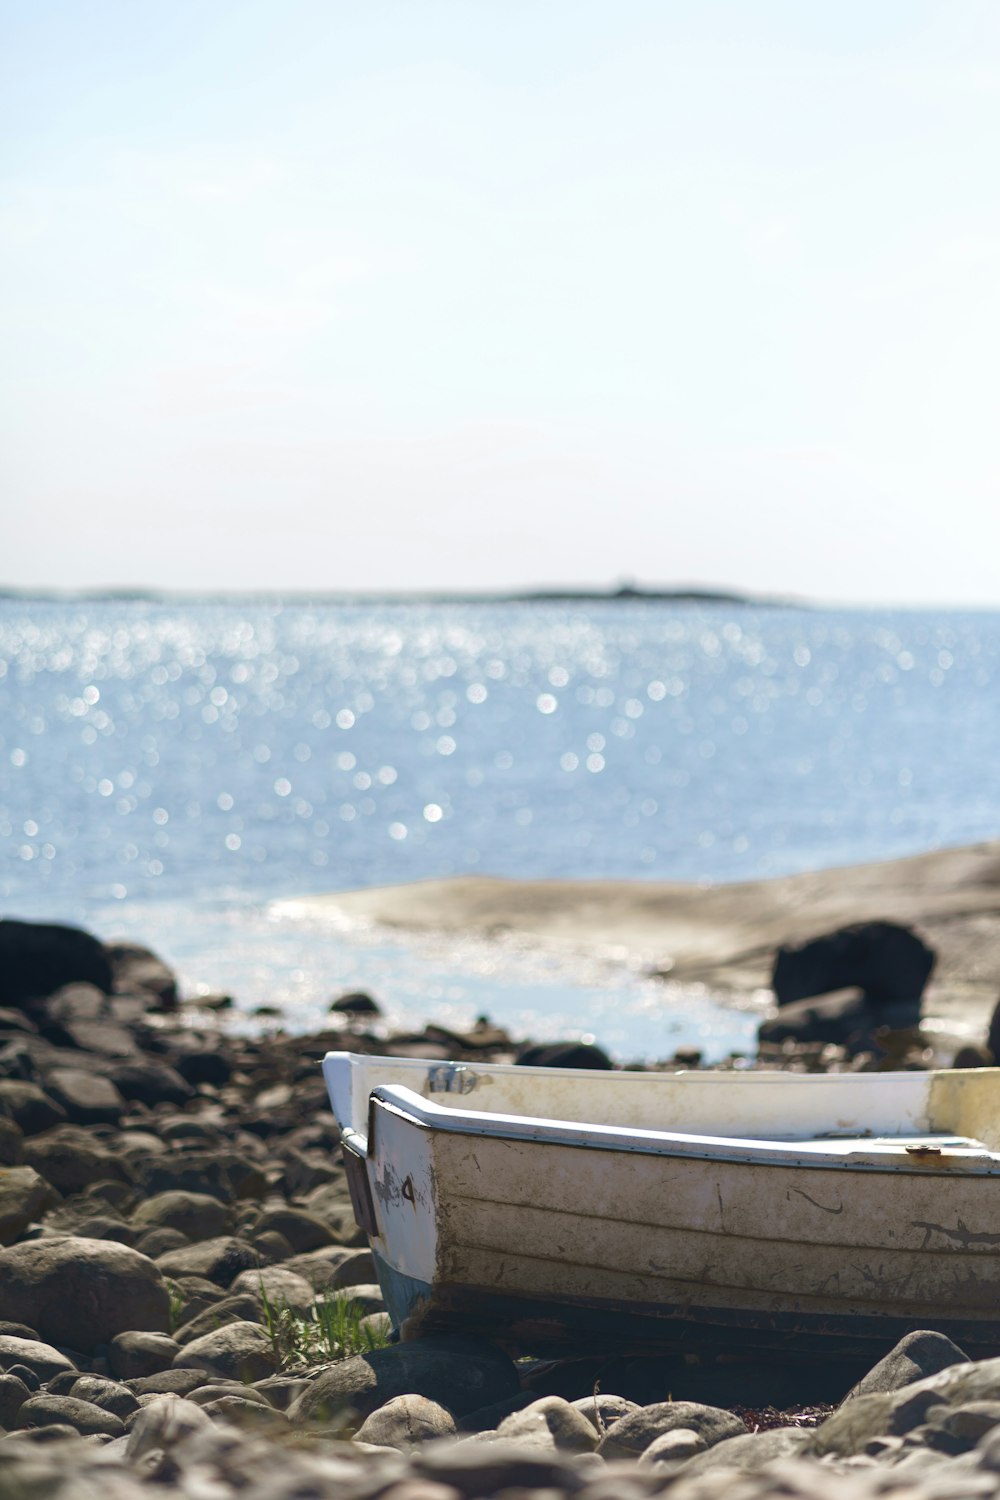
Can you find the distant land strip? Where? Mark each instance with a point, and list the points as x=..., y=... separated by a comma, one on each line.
x=620, y=594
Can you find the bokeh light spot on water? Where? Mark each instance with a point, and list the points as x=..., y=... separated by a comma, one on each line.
x=198, y=751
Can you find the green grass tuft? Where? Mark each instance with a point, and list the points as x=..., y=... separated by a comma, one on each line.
x=330, y=1330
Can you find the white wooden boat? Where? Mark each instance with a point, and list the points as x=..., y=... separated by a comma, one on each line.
x=555, y=1207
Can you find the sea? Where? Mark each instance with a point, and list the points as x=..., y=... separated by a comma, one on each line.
x=187, y=772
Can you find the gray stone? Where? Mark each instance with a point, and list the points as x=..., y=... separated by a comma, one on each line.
x=847, y=1430
x=633, y=1434
x=271, y=1247
x=220, y=1260
x=53, y=1432
x=157, y=1242
x=303, y=1231
x=604, y=1410
x=551, y=1425
x=98, y=1226
x=240, y=1351
x=11, y=1143
x=989, y=1451
x=29, y=1106
x=13, y=1394
x=168, y=1382
x=109, y=1395
x=677, y=1446
x=376, y=1327
x=24, y=1196
x=750, y=1451
x=281, y=1390
x=17, y=1330
x=43, y=1409
x=973, y=1420
x=191, y=1295
x=916, y=1356
x=406, y=1420
x=39, y=1357
x=164, y=1423
x=239, y=1309
x=281, y=1287
x=149, y=1082
x=106, y=1037
x=82, y=1292
x=196, y=1215
x=245, y=1412
x=367, y=1299
x=459, y=1373
x=223, y=1174
x=69, y=1160
x=475, y=1468
x=214, y=1390
x=134, y=1354
x=139, y=969
x=327, y=1270
x=852, y=1426
x=87, y=1098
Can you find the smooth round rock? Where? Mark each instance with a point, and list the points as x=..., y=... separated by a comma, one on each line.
x=84, y=1416
x=24, y=1197
x=406, y=1420
x=197, y=1216
x=109, y=1395
x=551, y=1425
x=134, y=1354
x=220, y=1260
x=633, y=1434
x=240, y=1351
x=40, y=1358
x=13, y=1394
x=80, y=1292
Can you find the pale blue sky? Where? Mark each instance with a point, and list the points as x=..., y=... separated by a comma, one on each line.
x=423, y=294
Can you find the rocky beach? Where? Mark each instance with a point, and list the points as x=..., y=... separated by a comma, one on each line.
x=188, y=1307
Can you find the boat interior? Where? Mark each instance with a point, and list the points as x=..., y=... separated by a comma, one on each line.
x=914, y=1112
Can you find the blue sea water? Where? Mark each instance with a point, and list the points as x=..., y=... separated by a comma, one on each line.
x=179, y=770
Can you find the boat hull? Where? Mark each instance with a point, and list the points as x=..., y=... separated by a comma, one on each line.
x=549, y=1236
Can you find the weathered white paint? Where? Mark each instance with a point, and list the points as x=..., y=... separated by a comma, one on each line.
x=747, y=1106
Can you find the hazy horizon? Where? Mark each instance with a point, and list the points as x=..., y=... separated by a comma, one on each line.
x=321, y=299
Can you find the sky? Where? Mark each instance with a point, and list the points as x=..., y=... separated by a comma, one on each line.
x=487, y=294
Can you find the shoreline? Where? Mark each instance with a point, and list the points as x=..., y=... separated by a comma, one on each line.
x=723, y=936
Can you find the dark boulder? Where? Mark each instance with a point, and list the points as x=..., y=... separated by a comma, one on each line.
x=356, y=1003
x=82, y=1292
x=87, y=1098
x=149, y=1082
x=844, y=1017
x=564, y=1055
x=28, y=1106
x=887, y=961
x=916, y=1356
x=137, y=970
x=37, y=958
x=203, y=1065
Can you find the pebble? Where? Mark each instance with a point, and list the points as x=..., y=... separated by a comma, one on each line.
x=160, y=1179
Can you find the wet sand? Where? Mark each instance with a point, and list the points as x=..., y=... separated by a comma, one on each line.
x=725, y=935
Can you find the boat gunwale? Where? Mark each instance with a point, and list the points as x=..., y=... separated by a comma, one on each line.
x=935, y=1161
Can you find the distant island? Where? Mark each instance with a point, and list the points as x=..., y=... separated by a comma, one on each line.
x=615, y=594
